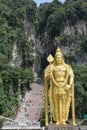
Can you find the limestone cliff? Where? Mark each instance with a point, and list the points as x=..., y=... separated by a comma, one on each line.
x=69, y=41
x=64, y=26
x=79, y=28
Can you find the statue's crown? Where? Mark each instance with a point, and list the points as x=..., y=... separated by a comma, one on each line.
x=58, y=52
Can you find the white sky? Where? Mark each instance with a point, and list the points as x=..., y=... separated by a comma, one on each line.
x=42, y=1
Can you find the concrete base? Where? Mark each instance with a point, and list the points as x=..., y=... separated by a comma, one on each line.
x=61, y=127
x=83, y=127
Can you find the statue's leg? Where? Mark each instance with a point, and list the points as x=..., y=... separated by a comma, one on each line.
x=67, y=107
x=66, y=100
x=56, y=110
x=63, y=110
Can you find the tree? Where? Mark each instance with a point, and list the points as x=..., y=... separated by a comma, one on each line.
x=80, y=89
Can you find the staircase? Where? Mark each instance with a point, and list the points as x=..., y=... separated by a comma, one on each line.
x=31, y=105
x=29, y=113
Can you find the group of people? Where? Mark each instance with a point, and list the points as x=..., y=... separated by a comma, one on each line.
x=32, y=104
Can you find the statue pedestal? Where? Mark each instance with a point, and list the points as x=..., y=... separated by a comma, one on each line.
x=61, y=127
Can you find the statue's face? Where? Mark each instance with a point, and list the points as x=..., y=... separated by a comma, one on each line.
x=59, y=60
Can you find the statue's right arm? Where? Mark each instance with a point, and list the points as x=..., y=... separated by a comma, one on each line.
x=47, y=72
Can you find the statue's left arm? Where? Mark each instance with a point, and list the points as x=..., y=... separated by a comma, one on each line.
x=71, y=74
x=70, y=77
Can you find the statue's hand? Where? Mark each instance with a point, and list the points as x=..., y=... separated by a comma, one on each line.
x=48, y=71
x=67, y=87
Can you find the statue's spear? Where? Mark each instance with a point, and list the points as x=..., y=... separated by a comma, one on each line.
x=50, y=60
x=73, y=106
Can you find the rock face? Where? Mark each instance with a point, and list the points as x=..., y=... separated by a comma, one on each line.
x=79, y=28
x=16, y=57
x=42, y=46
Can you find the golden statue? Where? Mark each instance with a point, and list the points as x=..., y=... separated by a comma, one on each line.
x=59, y=89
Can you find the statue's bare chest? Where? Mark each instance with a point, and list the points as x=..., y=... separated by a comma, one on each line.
x=59, y=71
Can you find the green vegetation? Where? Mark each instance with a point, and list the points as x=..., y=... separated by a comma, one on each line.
x=54, y=16
x=80, y=89
x=21, y=18
x=13, y=14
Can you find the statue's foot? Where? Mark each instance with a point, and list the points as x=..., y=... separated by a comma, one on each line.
x=74, y=124
x=57, y=123
x=46, y=124
x=64, y=123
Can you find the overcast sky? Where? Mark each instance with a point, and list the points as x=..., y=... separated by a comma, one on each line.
x=42, y=1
